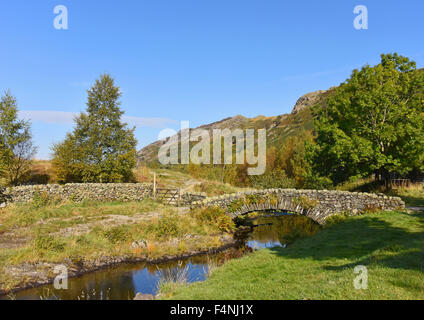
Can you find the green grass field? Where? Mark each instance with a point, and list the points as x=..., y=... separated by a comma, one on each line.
x=390, y=245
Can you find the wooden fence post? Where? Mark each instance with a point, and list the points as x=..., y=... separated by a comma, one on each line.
x=179, y=197
x=154, y=185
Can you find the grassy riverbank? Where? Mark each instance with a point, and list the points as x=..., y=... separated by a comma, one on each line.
x=36, y=235
x=390, y=245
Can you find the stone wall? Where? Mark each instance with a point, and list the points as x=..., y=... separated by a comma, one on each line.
x=90, y=191
x=83, y=191
x=193, y=197
x=318, y=205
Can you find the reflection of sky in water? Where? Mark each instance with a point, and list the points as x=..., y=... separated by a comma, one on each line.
x=257, y=245
x=118, y=283
x=126, y=281
x=147, y=282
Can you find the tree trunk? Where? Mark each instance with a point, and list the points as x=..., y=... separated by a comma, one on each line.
x=387, y=180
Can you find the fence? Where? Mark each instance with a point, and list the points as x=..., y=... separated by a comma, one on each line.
x=404, y=183
x=168, y=196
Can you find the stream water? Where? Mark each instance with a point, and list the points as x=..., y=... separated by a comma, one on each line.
x=124, y=282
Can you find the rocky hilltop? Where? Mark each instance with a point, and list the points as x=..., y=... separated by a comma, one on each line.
x=279, y=128
x=307, y=101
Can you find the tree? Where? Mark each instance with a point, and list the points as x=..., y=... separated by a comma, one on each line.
x=374, y=123
x=101, y=148
x=16, y=147
x=275, y=175
x=292, y=157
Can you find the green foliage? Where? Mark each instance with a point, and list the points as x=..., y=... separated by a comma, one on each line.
x=374, y=123
x=215, y=216
x=313, y=181
x=336, y=219
x=16, y=149
x=261, y=199
x=116, y=234
x=43, y=199
x=48, y=243
x=286, y=165
x=305, y=202
x=40, y=199
x=276, y=178
x=292, y=159
x=166, y=227
x=235, y=205
x=101, y=148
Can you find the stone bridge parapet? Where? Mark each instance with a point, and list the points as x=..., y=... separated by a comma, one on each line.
x=316, y=204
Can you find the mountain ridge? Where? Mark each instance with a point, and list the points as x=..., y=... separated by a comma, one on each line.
x=279, y=127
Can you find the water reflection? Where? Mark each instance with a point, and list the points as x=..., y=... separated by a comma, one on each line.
x=124, y=282
x=278, y=230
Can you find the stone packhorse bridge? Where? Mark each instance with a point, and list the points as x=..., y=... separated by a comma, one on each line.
x=317, y=205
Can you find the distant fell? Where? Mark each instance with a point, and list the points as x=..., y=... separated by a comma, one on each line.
x=279, y=128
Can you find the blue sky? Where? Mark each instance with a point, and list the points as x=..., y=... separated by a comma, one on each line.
x=193, y=60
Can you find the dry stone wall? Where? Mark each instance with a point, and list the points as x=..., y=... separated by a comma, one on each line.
x=82, y=191
x=78, y=192
x=192, y=197
x=317, y=204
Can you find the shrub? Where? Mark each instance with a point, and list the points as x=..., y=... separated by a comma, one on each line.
x=167, y=226
x=236, y=205
x=252, y=199
x=276, y=178
x=224, y=223
x=215, y=217
x=48, y=243
x=314, y=181
x=116, y=234
x=40, y=199
x=372, y=208
x=336, y=219
x=305, y=202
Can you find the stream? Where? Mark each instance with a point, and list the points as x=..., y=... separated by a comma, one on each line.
x=125, y=281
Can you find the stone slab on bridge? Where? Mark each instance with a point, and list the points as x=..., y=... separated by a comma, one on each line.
x=315, y=204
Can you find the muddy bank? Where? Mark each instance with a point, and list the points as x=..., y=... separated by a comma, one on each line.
x=33, y=275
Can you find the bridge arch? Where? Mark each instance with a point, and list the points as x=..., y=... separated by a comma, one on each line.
x=317, y=205
x=282, y=205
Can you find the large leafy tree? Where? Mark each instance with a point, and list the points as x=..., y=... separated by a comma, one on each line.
x=101, y=148
x=374, y=123
x=16, y=147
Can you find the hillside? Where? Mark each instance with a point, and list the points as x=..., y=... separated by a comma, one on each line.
x=279, y=128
